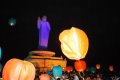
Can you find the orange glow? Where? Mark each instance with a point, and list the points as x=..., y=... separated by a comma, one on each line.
x=44, y=77
x=74, y=43
x=97, y=66
x=69, y=69
x=111, y=68
x=80, y=65
x=16, y=69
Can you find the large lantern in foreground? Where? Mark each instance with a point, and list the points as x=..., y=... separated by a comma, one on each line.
x=16, y=69
x=80, y=65
x=74, y=43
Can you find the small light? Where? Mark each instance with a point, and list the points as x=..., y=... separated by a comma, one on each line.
x=12, y=21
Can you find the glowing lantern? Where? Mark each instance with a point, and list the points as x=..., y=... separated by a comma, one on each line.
x=57, y=71
x=69, y=69
x=74, y=43
x=80, y=65
x=98, y=75
x=97, y=66
x=111, y=68
x=44, y=77
x=12, y=21
x=16, y=69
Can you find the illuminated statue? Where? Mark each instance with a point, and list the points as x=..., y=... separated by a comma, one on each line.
x=44, y=30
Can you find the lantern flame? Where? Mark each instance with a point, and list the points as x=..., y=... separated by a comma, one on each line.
x=74, y=43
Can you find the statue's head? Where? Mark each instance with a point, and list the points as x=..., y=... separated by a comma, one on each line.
x=44, y=18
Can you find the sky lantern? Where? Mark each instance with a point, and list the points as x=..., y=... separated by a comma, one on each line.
x=74, y=43
x=57, y=71
x=44, y=77
x=111, y=68
x=16, y=69
x=98, y=66
x=80, y=65
x=69, y=69
x=12, y=21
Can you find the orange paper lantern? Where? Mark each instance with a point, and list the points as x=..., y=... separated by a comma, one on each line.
x=74, y=43
x=97, y=66
x=68, y=69
x=16, y=69
x=44, y=77
x=111, y=68
x=80, y=65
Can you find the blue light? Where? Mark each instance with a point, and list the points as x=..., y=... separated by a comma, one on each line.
x=12, y=22
x=57, y=71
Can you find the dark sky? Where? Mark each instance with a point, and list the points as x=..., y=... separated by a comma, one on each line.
x=99, y=19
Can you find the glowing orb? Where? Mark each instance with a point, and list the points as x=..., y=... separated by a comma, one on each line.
x=12, y=22
x=57, y=71
x=74, y=43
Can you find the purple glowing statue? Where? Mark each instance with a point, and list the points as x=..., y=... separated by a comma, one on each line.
x=44, y=30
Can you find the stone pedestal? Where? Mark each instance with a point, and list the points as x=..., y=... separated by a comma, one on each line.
x=45, y=60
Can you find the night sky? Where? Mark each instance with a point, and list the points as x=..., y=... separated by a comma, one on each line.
x=98, y=19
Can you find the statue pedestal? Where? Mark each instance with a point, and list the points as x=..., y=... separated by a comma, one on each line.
x=45, y=60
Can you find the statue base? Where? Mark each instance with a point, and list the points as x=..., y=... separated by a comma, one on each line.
x=45, y=60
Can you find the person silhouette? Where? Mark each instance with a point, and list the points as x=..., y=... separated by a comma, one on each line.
x=44, y=30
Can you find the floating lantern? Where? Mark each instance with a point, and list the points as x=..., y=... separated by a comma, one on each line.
x=80, y=65
x=69, y=69
x=97, y=66
x=57, y=71
x=74, y=43
x=16, y=69
x=44, y=77
x=111, y=68
x=12, y=21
